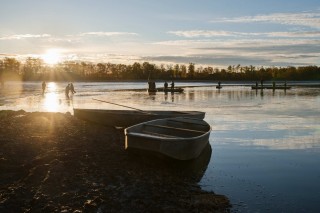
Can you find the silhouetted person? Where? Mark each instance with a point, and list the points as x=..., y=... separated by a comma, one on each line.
x=67, y=91
x=44, y=86
x=172, y=85
x=165, y=85
x=72, y=88
x=152, y=86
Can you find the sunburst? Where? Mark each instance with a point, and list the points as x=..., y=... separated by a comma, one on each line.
x=52, y=56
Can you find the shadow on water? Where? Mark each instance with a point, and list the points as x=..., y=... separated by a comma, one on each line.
x=193, y=169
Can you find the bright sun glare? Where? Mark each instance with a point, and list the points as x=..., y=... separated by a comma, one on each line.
x=51, y=100
x=52, y=56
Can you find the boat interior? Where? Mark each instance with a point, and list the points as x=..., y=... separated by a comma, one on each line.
x=175, y=128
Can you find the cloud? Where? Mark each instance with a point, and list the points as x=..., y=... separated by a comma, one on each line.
x=257, y=52
x=208, y=34
x=112, y=58
x=307, y=19
x=213, y=59
x=24, y=36
x=201, y=33
x=238, y=43
x=299, y=34
x=107, y=34
x=67, y=38
x=7, y=55
x=203, y=47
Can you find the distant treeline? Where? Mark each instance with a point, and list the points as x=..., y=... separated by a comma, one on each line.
x=33, y=69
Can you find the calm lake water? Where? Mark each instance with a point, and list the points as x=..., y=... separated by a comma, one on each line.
x=265, y=145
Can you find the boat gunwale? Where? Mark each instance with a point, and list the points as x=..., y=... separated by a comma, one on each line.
x=168, y=139
x=175, y=128
x=128, y=132
x=192, y=112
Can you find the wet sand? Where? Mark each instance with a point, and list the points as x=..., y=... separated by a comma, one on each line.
x=53, y=162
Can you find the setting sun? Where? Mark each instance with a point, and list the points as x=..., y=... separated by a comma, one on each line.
x=52, y=56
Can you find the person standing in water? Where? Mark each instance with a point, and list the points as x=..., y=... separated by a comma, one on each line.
x=172, y=85
x=72, y=88
x=165, y=85
x=67, y=91
x=44, y=86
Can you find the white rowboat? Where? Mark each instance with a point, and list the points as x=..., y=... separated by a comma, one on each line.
x=179, y=138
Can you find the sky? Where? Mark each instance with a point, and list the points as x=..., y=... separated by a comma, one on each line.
x=214, y=33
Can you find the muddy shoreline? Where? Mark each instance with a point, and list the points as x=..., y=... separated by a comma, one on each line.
x=54, y=162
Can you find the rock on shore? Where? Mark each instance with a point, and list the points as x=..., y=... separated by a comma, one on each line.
x=53, y=162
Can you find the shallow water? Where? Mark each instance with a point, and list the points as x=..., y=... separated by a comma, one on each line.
x=265, y=145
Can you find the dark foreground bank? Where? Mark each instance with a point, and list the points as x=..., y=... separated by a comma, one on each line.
x=53, y=162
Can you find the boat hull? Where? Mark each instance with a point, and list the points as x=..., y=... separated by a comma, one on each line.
x=125, y=118
x=167, y=90
x=185, y=141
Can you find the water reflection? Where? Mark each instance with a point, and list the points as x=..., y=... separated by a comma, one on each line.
x=194, y=169
x=265, y=144
x=193, y=95
x=52, y=87
x=51, y=102
x=166, y=96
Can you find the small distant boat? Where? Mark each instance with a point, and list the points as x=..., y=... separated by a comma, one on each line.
x=179, y=138
x=125, y=118
x=168, y=90
x=177, y=89
x=152, y=88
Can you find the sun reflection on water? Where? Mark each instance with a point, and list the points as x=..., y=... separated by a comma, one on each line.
x=52, y=87
x=51, y=98
x=51, y=102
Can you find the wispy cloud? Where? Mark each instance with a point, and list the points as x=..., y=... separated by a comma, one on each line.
x=2, y=55
x=307, y=19
x=24, y=36
x=202, y=33
x=66, y=37
x=298, y=34
x=208, y=34
x=107, y=34
x=207, y=47
x=239, y=42
x=266, y=52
